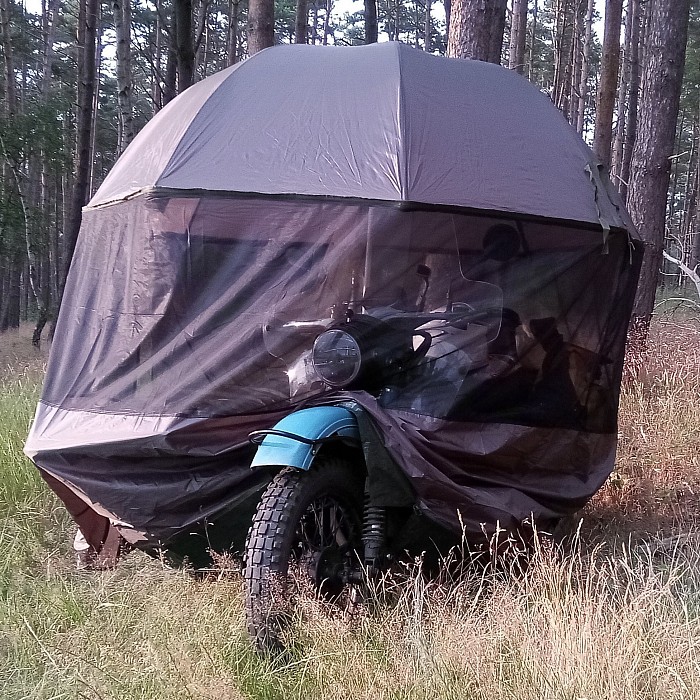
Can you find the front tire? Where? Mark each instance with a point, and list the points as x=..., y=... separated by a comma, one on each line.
x=311, y=521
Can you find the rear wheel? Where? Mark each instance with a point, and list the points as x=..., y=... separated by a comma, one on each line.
x=308, y=522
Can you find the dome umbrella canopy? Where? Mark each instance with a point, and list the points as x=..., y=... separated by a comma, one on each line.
x=302, y=187
x=378, y=122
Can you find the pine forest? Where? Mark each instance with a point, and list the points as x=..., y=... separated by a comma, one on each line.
x=261, y=475
x=80, y=79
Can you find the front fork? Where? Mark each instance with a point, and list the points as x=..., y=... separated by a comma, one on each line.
x=295, y=440
x=373, y=537
x=375, y=557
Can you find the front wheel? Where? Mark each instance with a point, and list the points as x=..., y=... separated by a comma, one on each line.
x=310, y=521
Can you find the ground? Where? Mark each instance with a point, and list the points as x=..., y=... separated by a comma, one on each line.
x=613, y=611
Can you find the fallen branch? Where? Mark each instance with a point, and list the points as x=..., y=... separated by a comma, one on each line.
x=680, y=300
x=692, y=275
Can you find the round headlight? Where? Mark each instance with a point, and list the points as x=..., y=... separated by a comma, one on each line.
x=336, y=357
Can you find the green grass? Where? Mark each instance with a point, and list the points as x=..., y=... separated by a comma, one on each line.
x=612, y=614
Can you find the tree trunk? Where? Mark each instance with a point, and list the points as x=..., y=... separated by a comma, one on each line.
x=10, y=85
x=234, y=8
x=651, y=165
x=558, y=41
x=397, y=18
x=567, y=48
x=371, y=27
x=55, y=247
x=577, y=40
x=689, y=199
x=301, y=22
x=156, y=48
x=585, y=67
x=533, y=44
x=184, y=42
x=122, y=26
x=96, y=164
x=10, y=311
x=498, y=25
x=201, y=40
x=428, y=27
x=623, y=97
x=87, y=39
x=49, y=34
x=602, y=139
x=233, y=15
x=632, y=100
x=694, y=224
x=326, y=21
x=10, y=297
x=518, y=34
x=170, y=81
x=476, y=30
x=261, y=25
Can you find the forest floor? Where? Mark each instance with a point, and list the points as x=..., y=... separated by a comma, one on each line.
x=611, y=612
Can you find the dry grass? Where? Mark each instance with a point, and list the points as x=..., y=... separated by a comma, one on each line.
x=619, y=621
x=578, y=626
x=656, y=484
x=18, y=356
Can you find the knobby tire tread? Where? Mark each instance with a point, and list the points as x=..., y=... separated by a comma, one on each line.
x=270, y=539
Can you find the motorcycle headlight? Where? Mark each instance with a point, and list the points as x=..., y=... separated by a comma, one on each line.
x=336, y=357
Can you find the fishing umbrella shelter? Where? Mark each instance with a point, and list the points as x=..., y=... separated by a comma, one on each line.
x=311, y=183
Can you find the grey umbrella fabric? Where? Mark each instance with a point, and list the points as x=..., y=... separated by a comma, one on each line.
x=446, y=200
x=377, y=122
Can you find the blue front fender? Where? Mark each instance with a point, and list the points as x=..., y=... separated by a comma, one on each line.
x=295, y=440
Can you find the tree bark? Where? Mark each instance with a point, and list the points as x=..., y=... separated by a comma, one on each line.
x=156, y=49
x=94, y=164
x=397, y=20
x=301, y=22
x=518, y=34
x=694, y=224
x=623, y=96
x=87, y=39
x=558, y=48
x=261, y=25
x=10, y=85
x=122, y=26
x=184, y=43
x=326, y=21
x=234, y=8
x=651, y=165
x=632, y=100
x=498, y=25
x=585, y=67
x=49, y=34
x=39, y=245
x=170, y=81
x=533, y=43
x=476, y=30
x=602, y=139
x=577, y=40
x=428, y=27
x=689, y=197
x=371, y=27
x=10, y=311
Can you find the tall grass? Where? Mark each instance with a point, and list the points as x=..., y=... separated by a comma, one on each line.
x=656, y=484
x=584, y=621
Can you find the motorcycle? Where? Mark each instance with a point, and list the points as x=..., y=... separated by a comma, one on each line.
x=317, y=514
x=320, y=332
